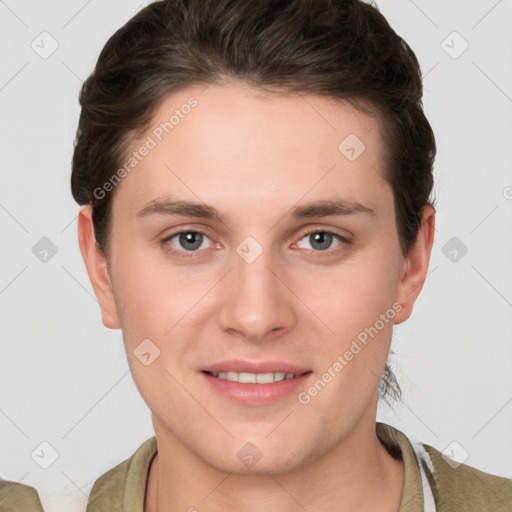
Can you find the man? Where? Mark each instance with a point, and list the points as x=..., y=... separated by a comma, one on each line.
x=255, y=180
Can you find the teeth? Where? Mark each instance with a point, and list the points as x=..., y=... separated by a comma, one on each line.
x=244, y=378
x=253, y=378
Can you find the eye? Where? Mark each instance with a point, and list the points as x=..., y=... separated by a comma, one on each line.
x=184, y=242
x=321, y=241
x=187, y=243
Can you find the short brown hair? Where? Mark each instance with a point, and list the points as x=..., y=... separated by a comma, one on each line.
x=342, y=49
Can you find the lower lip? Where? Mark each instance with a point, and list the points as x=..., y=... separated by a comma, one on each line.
x=256, y=394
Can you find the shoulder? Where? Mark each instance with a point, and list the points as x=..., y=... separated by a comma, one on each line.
x=465, y=488
x=125, y=483
x=435, y=482
x=15, y=497
x=108, y=490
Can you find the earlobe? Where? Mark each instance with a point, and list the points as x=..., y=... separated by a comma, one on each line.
x=415, y=266
x=96, y=265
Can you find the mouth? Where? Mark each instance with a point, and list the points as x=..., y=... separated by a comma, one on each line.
x=255, y=382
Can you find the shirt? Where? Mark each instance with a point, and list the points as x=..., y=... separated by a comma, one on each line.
x=16, y=497
x=431, y=483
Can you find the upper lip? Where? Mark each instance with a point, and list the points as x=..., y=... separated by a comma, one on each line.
x=239, y=365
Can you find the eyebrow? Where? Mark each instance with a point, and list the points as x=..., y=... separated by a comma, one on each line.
x=321, y=208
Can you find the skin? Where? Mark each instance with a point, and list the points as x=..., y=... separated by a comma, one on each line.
x=254, y=156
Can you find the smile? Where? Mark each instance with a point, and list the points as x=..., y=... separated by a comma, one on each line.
x=252, y=378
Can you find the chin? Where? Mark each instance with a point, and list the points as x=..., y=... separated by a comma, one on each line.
x=258, y=457
x=263, y=467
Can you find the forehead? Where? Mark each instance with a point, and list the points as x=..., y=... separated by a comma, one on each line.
x=253, y=119
x=229, y=142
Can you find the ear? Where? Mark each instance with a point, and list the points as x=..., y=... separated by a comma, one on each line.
x=415, y=265
x=96, y=265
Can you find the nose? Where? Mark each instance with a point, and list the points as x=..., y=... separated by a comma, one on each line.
x=257, y=301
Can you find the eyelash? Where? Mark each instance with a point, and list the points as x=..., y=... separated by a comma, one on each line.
x=316, y=253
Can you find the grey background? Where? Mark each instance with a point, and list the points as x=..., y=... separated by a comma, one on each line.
x=64, y=376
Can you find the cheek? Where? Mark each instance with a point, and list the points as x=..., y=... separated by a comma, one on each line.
x=356, y=302
x=154, y=294
x=351, y=297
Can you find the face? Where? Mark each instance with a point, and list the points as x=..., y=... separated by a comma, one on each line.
x=288, y=269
